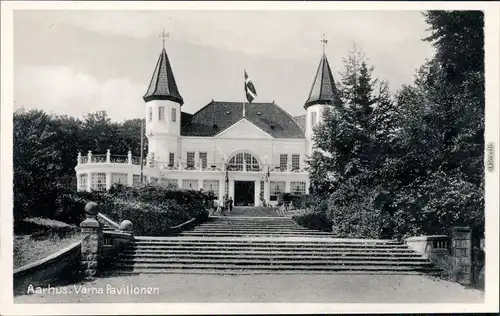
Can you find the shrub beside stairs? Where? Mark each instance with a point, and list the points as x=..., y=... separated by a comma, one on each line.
x=245, y=245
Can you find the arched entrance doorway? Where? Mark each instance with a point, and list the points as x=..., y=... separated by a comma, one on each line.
x=244, y=190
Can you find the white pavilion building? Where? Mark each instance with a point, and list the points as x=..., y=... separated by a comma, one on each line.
x=250, y=154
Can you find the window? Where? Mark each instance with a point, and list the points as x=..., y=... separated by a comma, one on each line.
x=283, y=162
x=150, y=114
x=172, y=183
x=174, y=115
x=190, y=159
x=295, y=162
x=236, y=162
x=161, y=113
x=262, y=189
x=276, y=187
x=190, y=184
x=313, y=118
x=203, y=159
x=211, y=186
x=84, y=181
x=119, y=178
x=136, y=180
x=171, y=159
x=298, y=188
x=99, y=181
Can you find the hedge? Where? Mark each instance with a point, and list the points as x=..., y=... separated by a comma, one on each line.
x=152, y=209
x=314, y=220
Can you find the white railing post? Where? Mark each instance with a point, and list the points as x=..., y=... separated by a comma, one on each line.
x=89, y=157
x=129, y=157
x=108, y=180
x=108, y=156
x=79, y=158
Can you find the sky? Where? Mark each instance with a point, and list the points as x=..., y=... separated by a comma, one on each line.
x=74, y=61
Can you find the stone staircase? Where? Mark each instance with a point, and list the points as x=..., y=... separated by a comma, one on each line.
x=244, y=245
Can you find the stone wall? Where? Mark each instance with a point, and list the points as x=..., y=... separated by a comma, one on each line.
x=61, y=266
x=101, y=247
x=453, y=254
x=461, y=252
x=96, y=252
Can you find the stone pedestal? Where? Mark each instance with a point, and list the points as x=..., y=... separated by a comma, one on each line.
x=461, y=251
x=92, y=239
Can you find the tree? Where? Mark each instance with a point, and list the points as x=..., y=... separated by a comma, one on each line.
x=45, y=152
x=352, y=143
x=414, y=166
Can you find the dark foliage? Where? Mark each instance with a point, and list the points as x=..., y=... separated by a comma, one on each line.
x=410, y=164
x=45, y=151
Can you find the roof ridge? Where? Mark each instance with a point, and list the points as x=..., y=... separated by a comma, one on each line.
x=288, y=114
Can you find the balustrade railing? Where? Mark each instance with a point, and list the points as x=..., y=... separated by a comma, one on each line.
x=98, y=158
x=441, y=243
x=119, y=159
x=191, y=166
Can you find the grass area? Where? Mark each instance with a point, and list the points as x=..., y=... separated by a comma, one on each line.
x=41, y=237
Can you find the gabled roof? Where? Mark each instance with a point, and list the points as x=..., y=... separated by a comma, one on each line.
x=301, y=122
x=217, y=116
x=162, y=85
x=323, y=90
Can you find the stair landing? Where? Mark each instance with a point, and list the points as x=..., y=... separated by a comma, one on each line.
x=251, y=211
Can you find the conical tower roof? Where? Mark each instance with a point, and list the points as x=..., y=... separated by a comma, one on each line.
x=323, y=90
x=162, y=85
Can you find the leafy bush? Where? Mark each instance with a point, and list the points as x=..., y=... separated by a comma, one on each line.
x=314, y=220
x=152, y=209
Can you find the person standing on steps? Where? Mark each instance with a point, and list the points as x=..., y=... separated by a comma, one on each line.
x=230, y=204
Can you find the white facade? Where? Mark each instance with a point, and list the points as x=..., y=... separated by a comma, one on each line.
x=257, y=165
x=269, y=175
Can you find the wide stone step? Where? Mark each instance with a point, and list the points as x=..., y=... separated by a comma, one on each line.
x=274, y=240
x=277, y=243
x=273, y=261
x=292, y=267
x=274, y=245
x=256, y=233
x=273, y=252
x=270, y=257
x=126, y=270
x=255, y=230
x=252, y=227
x=267, y=246
x=269, y=250
x=231, y=229
x=235, y=227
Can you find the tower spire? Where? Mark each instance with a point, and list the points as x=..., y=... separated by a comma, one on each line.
x=162, y=85
x=323, y=90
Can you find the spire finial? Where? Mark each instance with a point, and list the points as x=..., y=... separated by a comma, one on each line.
x=164, y=35
x=324, y=41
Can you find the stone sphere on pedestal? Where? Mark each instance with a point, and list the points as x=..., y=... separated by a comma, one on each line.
x=126, y=225
x=91, y=209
